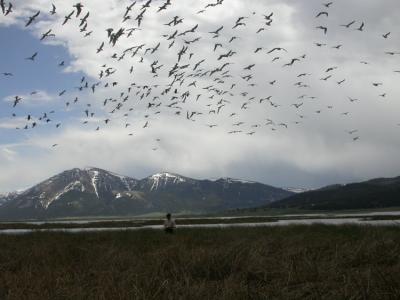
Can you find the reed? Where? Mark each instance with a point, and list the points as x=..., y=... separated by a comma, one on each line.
x=293, y=262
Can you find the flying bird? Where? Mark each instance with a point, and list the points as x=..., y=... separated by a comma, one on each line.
x=322, y=13
x=349, y=24
x=164, y=6
x=47, y=34
x=32, y=18
x=361, y=28
x=3, y=7
x=78, y=7
x=276, y=49
x=9, y=9
x=84, y=19
x=129, y=8
x=267, y=17
x=17, y=99
x=32, y=58
x=67, y=18
x=325, y=29
x=147, y=4
x=216, y=32
x=100, y=48
x=53, y=9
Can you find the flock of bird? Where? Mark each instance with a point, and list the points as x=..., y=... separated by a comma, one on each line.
x=214, y=90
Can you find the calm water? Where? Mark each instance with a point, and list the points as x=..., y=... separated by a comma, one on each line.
x=336, y=221
x=321, y=216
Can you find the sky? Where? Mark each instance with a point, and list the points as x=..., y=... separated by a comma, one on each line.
x=317, y=121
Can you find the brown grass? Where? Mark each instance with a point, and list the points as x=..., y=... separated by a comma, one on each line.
x=296, y=262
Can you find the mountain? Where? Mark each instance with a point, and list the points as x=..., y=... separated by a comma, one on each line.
x=96, y=192
x=297, y=190
x=4, y=198
x=375, y=193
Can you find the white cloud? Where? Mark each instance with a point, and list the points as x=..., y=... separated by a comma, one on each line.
x=8, y=154
x=319, y=147
x=34, y=98
x=8, y=123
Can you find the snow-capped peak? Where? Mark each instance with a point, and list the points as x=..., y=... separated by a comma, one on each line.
x=8, y=196
x=11, y=194
x=162, y=179
x=88, y=169
x=165, y=174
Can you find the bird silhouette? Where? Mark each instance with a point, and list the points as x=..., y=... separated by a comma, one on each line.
x=322, y=13
x=78, y=7
x=32, y=58
x=2, y=6
x=361, y=28
x=100, y=48
x=9, y=9
x=17, y=99
x=32, y=18
x=325, y=29
x=53, y=9
x=67, y=18
x=47, y=34
x=349, y=24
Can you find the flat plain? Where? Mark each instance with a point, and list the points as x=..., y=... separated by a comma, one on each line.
x=289, y=262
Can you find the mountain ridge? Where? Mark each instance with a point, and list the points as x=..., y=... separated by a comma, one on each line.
x=369, y=194
x=93, y=191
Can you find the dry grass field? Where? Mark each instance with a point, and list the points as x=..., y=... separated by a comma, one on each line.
x=294, y=262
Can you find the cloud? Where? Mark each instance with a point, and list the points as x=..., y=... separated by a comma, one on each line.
x=34, y=98
x=315, y=148
x=8, y=154
x=8, y=123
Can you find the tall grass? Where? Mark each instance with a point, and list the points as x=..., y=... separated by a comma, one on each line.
x=296, y=262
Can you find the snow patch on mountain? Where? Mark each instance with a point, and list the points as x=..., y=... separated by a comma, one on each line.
x=4, y=198
x=125, y=181
x=77, y=186
x=163, y=179
x=296, y=190
x=95, y=179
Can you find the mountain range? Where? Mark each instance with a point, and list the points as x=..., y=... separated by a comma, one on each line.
x=371, y=194
x=96, y=192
